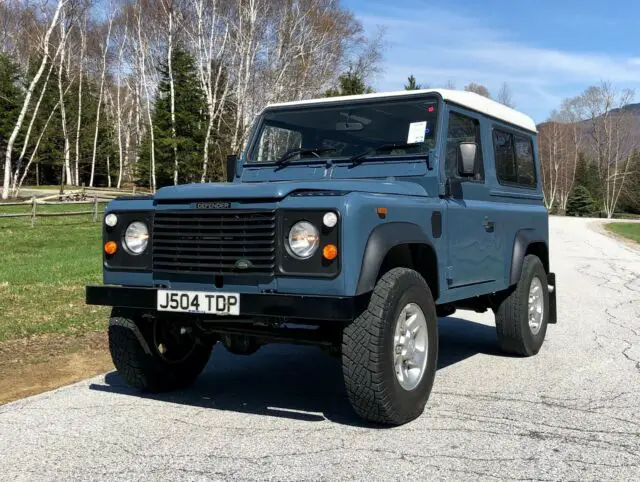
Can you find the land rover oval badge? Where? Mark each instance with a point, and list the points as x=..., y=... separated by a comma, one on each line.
x=243, y=264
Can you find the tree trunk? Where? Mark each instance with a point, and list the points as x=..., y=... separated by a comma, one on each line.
x=79, y=123
x=108, y=172
x=119, y=110
x=127, y=144
x=34, y=116
x=34, y=152
x=63, y=111
x=27, y=99
x=172, y=94
x=142, y=54
x=138, y=124
x=102, y=76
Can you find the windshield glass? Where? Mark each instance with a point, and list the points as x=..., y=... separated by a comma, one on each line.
x=347, y=130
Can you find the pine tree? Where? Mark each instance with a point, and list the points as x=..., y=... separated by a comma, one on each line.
x=580, y=202
x=11, y=99
x=412, y=83
x=349, y=83
x=190, y=111
x=587, y=176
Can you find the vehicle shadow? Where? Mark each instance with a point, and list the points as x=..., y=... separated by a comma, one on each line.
x=295, y=382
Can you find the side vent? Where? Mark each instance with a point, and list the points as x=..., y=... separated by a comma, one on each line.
x=436, y=224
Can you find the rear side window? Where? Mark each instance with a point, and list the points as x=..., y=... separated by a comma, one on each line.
x=514, y=159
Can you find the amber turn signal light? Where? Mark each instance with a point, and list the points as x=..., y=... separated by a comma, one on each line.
x=110, y=248
x=330, y=252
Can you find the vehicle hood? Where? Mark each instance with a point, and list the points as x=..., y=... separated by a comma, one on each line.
x=280, y=190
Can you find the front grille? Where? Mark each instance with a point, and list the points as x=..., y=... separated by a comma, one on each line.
x=214, y=242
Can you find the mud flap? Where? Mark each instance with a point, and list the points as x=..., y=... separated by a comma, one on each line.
x=553, y=311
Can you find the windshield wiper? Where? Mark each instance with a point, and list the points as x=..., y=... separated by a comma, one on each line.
x=384, y=148
x=301, y=151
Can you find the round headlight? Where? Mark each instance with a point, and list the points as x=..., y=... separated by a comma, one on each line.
x=136, y=238
x=111, y=220
x=304, y=239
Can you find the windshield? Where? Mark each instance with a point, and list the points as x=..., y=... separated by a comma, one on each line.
x=347, y=130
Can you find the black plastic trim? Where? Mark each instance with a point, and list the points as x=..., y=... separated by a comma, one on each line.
x=304, y=307
x=123, y=260
x=381, y=240
x=316, y=265
x=523, y=239
x=436, y=224
x=553, y=306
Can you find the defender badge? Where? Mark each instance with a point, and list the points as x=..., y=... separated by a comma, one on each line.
x=213, y=205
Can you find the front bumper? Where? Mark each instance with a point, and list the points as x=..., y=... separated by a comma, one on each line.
x=296, y=307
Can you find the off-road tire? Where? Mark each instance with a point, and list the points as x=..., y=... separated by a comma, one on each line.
x=512, y=322
x=140, y=364
x=367, y=351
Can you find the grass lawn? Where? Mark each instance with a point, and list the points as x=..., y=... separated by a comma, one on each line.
x=628, y=230
x=43, y=271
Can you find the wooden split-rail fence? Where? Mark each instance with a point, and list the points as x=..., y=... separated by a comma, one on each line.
x=82, y=197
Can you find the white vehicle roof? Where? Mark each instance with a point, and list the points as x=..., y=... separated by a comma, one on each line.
x=463, y=98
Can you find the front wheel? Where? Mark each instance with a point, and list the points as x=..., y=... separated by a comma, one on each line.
x=155, y=356
x=390, y=352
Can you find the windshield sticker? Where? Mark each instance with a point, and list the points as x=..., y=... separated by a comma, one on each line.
x=416, y=132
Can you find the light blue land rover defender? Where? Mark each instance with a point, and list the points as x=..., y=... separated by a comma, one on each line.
x=351, y=223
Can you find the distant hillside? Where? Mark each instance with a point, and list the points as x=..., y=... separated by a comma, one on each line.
x=630, y=108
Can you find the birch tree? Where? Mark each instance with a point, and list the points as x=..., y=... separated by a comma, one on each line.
x=27, y=100
x=168, y=7
x=105, y=51
x=210, y=41
x=610, y=138
x=142, y=59
x=247, y=45
x=551, y=144
x=83, y=49
x=119, y=121
x=573, y=139
x=505, y=96
x=34, y=151
x=66, y=168
x=34, y=116
x=248, y=53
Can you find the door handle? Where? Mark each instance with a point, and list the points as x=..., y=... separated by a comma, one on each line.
x=488, y=225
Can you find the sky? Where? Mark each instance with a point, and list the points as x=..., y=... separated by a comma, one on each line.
x=546, y=50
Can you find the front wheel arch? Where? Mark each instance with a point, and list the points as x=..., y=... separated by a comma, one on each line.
x=398, y=245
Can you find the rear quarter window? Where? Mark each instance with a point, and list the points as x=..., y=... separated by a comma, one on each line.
x=515, y=163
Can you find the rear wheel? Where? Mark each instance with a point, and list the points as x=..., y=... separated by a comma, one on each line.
x=523, y=313
x=153, y=355
x=390, y=352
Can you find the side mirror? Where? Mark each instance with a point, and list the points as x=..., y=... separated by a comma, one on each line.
x=231, y=167
x=467, y=163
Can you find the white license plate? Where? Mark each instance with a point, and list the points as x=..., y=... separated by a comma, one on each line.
x=210, y=303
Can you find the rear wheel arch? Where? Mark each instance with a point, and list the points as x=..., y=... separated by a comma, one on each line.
x=527, y=242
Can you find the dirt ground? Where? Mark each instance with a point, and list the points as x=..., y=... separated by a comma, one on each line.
x=40, y=363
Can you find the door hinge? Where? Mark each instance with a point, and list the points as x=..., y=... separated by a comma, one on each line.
x=449, y=272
